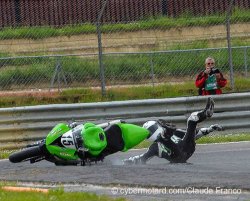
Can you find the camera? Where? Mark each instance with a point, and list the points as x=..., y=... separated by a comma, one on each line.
x=215, y=70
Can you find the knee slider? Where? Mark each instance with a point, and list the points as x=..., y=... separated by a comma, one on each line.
x=194, y=117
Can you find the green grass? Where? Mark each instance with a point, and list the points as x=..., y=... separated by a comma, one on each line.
x=160, y=22
x=87, y=95
x=5, y=154
x=94, y=95
x=119, y=69
x=54, y=195
x=224, y=138
x=210, y=139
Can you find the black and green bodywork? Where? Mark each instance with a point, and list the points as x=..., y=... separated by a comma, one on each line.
x=94, y=139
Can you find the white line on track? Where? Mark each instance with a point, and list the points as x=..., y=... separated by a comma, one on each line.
x=222, y=143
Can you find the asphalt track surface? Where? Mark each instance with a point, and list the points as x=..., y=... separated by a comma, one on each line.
x=215, y=172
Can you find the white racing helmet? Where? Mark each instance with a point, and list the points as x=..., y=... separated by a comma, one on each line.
x=154, y=128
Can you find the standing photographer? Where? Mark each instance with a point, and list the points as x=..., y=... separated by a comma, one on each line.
x=210, y=81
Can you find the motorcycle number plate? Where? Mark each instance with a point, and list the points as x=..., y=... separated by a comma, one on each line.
x=67, y=140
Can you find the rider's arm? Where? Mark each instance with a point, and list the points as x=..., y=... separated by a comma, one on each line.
x=200, y=79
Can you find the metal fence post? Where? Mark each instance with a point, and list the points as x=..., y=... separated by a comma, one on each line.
x=230, y=59
x=164, y=7
x=152, y=74
x=245, y=60
x=17, y=12
x=57, y=74
x=99, y=36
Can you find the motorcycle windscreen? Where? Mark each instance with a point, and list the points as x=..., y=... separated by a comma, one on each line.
x=56, y=133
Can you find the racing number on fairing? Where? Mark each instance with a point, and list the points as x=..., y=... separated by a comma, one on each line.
x=67, y=141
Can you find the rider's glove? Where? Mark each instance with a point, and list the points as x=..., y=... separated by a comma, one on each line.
x=215, y=127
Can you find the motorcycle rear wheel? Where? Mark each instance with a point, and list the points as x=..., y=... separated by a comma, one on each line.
x=25, y=154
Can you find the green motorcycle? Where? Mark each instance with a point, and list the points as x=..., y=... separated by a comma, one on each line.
x=81, y=144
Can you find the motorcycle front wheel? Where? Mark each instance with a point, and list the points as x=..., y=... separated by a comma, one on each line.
x=25, y=154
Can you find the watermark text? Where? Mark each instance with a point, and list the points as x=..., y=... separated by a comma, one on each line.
x=174, y=191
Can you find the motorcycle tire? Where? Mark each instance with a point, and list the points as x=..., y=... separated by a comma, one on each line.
x=25, y=154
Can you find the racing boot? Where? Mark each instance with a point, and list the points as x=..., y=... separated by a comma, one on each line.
x=214, y=127
x=209, y=109
x=194, y=119
x=135, y=160
x=205, y=131
x=203, y=114
x=154, y=150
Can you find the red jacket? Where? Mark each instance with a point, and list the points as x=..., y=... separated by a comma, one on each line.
x=200, y=83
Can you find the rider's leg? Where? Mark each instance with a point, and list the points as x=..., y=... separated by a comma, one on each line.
x=165, y=143
x=186, y=145
x=195, y=118
x=155, y=149
x=143, y=158
x=205, y=131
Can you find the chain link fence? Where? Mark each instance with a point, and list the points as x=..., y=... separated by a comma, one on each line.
x=117, y=43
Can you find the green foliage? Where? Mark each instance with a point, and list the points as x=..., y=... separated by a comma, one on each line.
x=159, y=22
x=5, y=154
x=211, y=139
x=148, y=92
x=80, y=70
x=85, y=95
x=130, y=67
x=122, y=68
x=28, y=33
x=55, y=195
x=76, y=29
x=36, y=72
x=224, y=138
x=240, y=15
x=37, y=33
